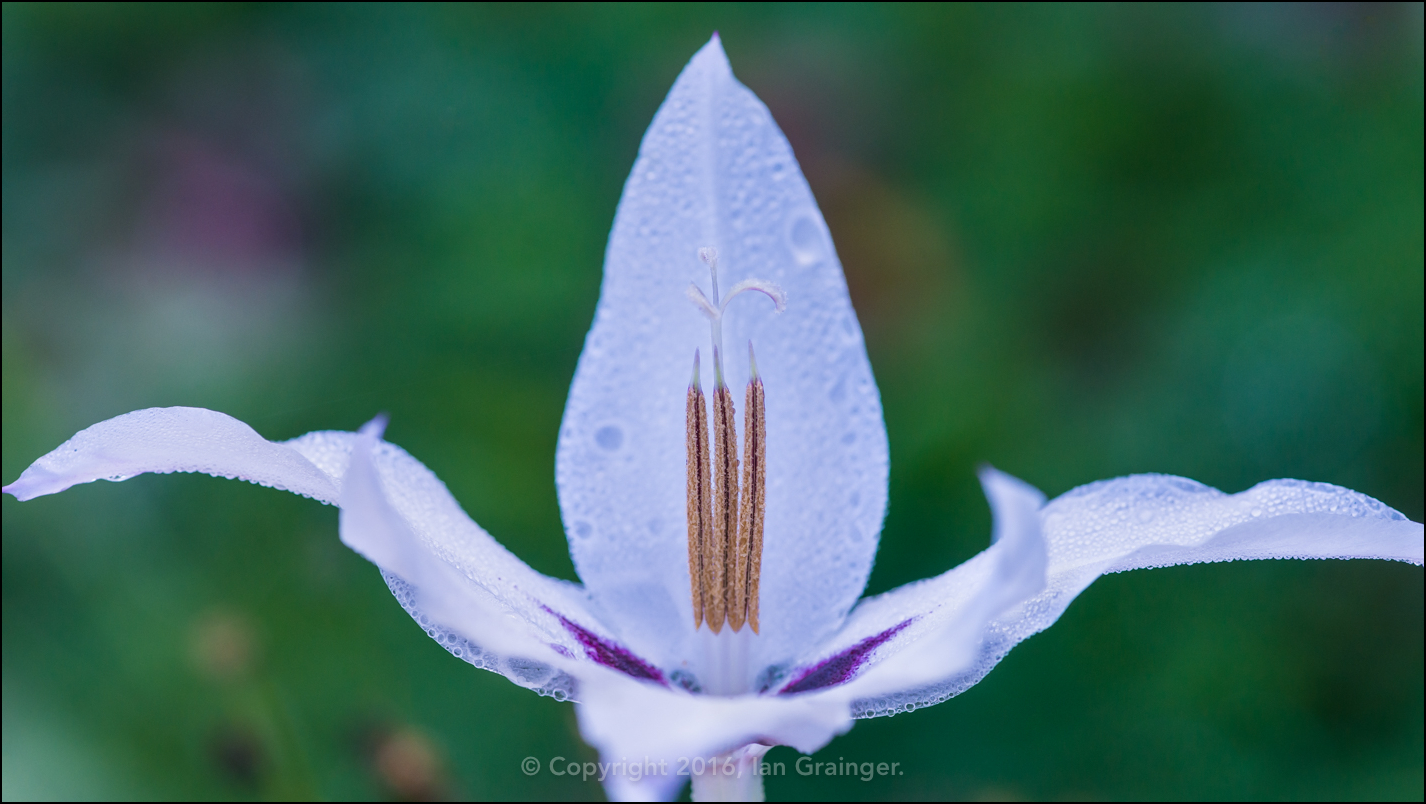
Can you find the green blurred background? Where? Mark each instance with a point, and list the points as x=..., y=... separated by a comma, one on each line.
x=1083, y=242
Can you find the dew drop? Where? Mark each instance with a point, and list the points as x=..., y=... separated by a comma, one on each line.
x=609, y=437
x=805, y=239
x=583, y=529
x=1257, y=512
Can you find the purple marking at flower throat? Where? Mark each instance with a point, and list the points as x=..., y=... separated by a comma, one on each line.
x=611, y=655
x=839, y=668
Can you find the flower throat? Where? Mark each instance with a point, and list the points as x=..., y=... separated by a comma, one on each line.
x=725, y=517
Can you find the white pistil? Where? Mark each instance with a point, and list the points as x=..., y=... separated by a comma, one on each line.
x=771, y=290
x=709, y=255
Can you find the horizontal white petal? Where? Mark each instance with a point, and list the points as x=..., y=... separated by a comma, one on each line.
x=173, y=440
x=467, y=591
x=1138, y=522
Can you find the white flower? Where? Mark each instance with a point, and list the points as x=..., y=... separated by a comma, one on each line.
x=636, y=644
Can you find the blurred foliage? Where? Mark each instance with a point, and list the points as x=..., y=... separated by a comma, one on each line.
x=1083, y=242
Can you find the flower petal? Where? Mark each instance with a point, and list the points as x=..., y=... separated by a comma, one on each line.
x=924, y=632
x=172, y=440
x=466, y=590
x=1151, y=521
x=457, y=581
x=714, y=170
x=1161, y=520
x=634, y=722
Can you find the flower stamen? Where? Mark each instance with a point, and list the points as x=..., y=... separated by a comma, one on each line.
x=720, y=554
x=725, y=538
x=699, y=492
x=754, y=505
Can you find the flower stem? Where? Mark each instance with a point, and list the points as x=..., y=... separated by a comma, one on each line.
x=734, y=776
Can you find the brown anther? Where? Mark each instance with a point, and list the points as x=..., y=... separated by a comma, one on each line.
x=718, y=555
x=699, y=492
x=754, y=498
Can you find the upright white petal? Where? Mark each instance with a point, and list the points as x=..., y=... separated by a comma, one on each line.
x=714, y=170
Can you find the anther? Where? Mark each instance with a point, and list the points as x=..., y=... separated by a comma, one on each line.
x=699, y=492
x=754, y=501
x=719, y=553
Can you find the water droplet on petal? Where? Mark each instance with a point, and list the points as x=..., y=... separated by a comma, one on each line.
x=806, y=239
x=609, y=437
